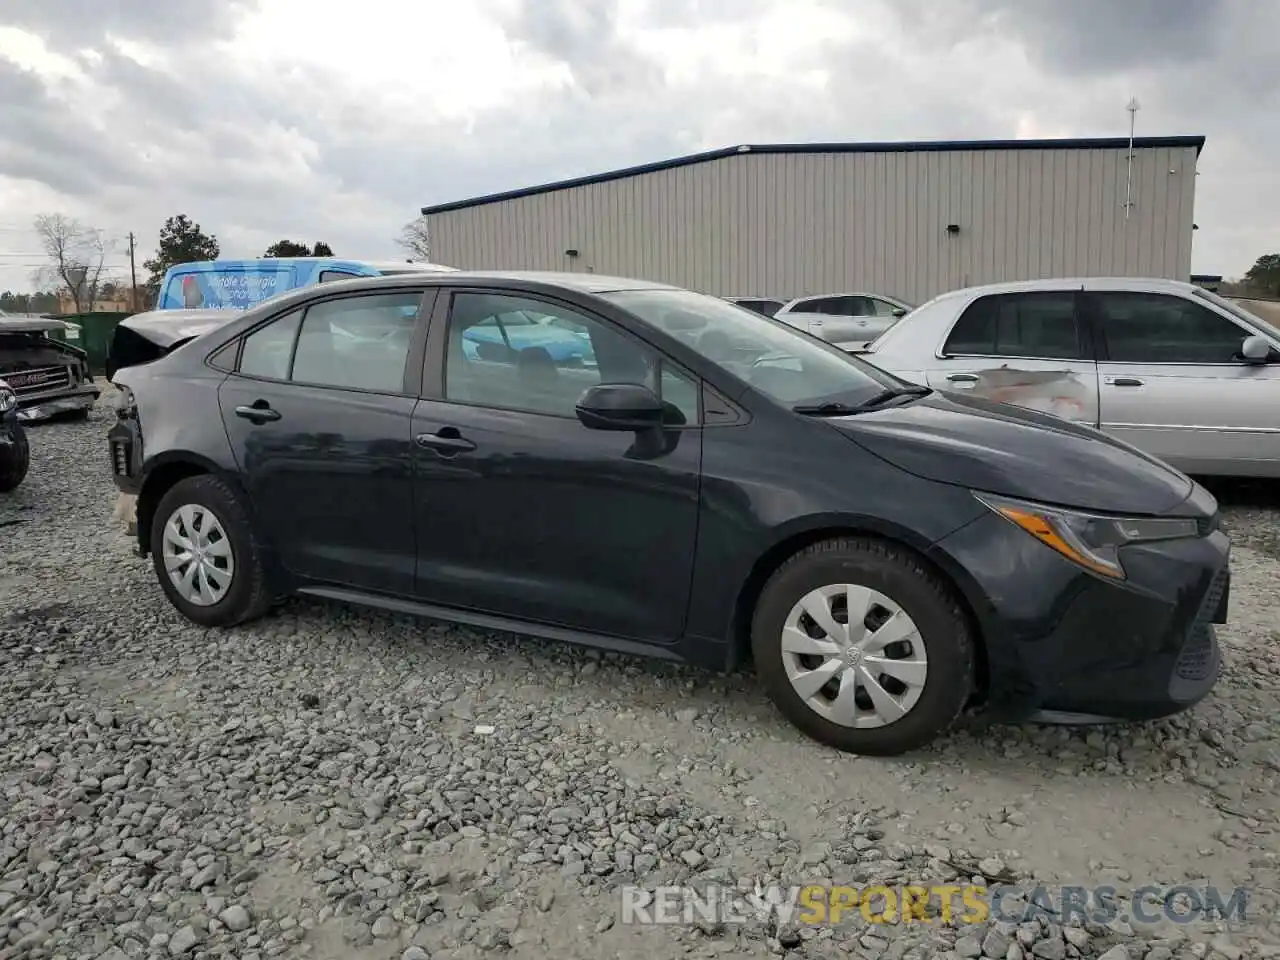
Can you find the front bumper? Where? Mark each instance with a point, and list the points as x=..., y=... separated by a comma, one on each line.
x=36, y=407
x=1066, y=644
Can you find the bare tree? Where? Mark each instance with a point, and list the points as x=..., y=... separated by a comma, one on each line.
x=416, y=240
x=77, y=258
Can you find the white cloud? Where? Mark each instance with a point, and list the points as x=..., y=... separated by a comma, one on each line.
x=266, y=120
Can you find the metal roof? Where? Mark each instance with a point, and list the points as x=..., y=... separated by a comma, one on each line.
x=919, y=146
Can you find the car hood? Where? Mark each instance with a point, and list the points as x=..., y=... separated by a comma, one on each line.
x=1003, y=449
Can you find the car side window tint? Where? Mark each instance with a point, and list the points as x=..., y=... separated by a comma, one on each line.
x=859, y=307
x=882, y=308
x=357, y=342
x=544, y=362
x=327, y=275
x=1158, y=328
x=267, y=351
x=1035, y=325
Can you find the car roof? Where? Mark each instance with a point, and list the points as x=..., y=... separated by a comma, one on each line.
x=1157, y=284
x=409, y=266
x=197, y=266
x=583, y=282
x=851, y=293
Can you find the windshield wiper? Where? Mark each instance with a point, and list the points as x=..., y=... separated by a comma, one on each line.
x=893, y=393
x=834, y=408
x=831, y=408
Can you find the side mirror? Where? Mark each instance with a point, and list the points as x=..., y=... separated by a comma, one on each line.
x=1255, y=349
x=620, y=406
x=899, y=312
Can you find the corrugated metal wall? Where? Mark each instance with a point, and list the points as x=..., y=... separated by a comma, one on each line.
x=797, y=224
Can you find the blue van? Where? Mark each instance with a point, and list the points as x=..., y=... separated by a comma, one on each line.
x=241, y=284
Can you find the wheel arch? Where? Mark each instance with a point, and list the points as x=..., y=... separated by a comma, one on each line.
x=969, y=597
x=159, y=478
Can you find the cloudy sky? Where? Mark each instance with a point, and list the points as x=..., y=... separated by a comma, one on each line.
x=278, y=118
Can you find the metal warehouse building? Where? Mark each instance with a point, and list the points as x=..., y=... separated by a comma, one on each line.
x=907, y=219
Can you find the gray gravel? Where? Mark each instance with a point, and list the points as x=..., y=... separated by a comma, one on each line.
x=336, y=783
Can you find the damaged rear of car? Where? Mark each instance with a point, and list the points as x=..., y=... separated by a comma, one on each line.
x=48, y=376
x=145, y=337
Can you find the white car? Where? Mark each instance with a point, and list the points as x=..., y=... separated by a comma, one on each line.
x=1169, y=367
x=845, y=319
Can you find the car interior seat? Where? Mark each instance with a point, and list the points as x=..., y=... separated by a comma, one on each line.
x=538, y=376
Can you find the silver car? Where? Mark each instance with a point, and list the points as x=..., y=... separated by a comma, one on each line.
x=1175, y=370
x=844, y=319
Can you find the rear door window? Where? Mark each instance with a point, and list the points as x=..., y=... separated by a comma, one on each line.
x=1034, y=325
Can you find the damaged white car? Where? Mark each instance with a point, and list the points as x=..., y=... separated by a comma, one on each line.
x=1175, y=370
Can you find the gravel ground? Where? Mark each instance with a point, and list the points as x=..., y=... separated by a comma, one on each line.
x=335, y=783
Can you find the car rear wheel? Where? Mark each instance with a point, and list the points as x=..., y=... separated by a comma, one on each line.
x=15, y=461
x=206, y=554
x=862, y=647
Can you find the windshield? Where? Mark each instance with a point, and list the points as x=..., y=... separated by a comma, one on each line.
x=1238, y=311
x=781, y=362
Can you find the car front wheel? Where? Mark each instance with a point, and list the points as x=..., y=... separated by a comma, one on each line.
x=15, y=461
x=206, y=554
x=862, y=647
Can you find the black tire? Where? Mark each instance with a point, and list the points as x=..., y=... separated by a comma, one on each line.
x=249, y=596
x=15, y=463
x=900, y=575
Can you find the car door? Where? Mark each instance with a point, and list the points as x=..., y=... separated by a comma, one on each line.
x=318, y=411
x=523, y=512
x=1174, y=383
x=1027, y=348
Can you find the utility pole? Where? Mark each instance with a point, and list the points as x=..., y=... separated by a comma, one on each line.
x=133, y=276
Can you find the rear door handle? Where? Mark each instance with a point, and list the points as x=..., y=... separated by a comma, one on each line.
x=1122, y=381
x=962, y=378
x=259, y=412
x=446, y=442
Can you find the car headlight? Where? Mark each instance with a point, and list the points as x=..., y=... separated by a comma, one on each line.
x=1092, y=540
x=8, y=399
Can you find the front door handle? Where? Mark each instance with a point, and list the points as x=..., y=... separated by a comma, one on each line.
x=258, y=412
x=963, y=378
x=447, y=441
x=1123, y=381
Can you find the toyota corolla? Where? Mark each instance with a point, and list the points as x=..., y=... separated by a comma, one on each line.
x=714, y=488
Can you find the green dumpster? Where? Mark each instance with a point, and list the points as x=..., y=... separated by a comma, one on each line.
x=96, y=331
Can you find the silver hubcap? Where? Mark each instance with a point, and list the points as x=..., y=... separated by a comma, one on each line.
x=197, y=555
x=854, y=656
